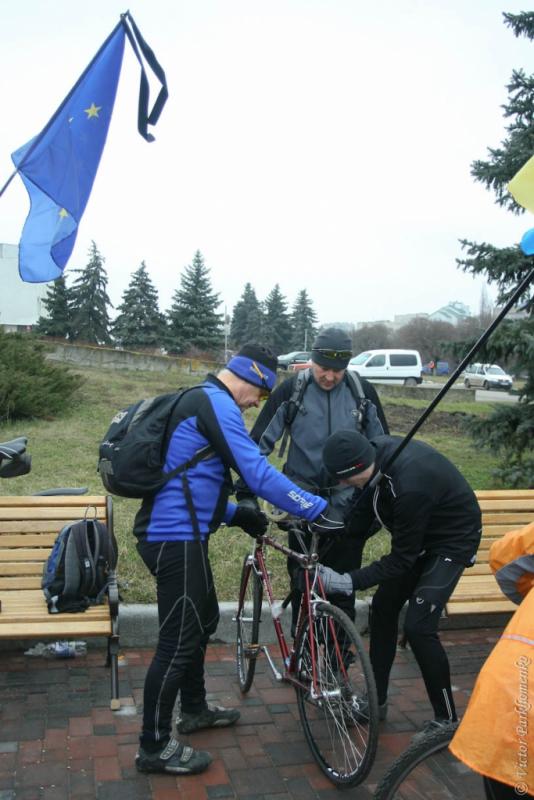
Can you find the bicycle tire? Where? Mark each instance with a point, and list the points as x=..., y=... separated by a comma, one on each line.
x=342, y=740
x=401, y=769
x=248, y=620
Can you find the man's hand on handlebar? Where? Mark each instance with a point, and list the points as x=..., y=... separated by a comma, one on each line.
x=329, y=521
x=249, y=518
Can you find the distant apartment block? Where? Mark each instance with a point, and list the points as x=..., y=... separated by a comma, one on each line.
x=20, y=302
x=454, y=312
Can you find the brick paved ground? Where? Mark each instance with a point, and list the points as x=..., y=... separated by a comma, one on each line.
x=58, y=738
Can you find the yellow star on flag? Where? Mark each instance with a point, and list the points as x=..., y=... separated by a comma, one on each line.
x=63, y=213
x=92, y=111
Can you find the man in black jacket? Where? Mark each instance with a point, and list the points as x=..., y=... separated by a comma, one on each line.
x=328, y=399
x=434, y=520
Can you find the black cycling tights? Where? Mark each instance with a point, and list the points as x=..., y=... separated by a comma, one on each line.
x=427, y=588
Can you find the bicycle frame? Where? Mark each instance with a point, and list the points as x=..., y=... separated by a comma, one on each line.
x=310, y=597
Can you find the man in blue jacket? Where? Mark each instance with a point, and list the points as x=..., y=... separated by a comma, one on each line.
x=173, y=530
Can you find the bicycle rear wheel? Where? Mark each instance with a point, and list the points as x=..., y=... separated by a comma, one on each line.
x=428, y=769
x=341, y=721
x=248, y=625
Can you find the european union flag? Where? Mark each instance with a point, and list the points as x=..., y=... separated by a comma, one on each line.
x=58, y=167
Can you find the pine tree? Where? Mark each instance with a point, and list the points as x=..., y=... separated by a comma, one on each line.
x=140, y=322
x=509, y=429
x=90, y=301
x=277, y=331
x=58, y=322
x=193, y=321
x=247, y=318
x=303, y=321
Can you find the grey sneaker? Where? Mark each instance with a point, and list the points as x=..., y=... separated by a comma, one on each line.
x=362, y=715
x=176, y=758
x=211, y=717
x=432, y=725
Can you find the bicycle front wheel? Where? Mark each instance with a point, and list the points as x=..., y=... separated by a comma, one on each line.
x=248, y=625
x=426, y=769
x=340, y=714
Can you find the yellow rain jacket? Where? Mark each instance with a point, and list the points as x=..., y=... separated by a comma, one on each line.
x=496, y=735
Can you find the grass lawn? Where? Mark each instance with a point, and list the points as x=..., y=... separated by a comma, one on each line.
x=64, y=453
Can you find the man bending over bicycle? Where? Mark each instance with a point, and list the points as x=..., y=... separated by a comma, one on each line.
x=434, y=520
x=173, y=529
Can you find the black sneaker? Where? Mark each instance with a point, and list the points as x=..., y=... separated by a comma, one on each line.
x=175, y=758
x=432, y=725
x=211, y=717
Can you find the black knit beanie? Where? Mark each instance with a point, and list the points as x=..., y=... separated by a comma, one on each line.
x=347, y=453
x=332, y=349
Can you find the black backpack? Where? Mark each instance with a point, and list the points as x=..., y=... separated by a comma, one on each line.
x=367, y=420
x=79, y=568
x=132, y=454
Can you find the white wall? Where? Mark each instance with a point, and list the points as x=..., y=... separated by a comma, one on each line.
x=20, y=302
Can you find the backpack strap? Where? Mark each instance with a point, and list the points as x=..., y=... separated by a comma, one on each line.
x=200, y=455
x=293, y=405
x=79, y=564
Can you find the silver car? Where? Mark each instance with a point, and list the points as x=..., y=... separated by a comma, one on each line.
x=487, y=376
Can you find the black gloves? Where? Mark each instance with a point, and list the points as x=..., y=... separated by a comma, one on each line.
x=330, y=521
x=249, y=518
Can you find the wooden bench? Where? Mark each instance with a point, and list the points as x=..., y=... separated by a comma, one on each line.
x=477, y=591
x=28, y=530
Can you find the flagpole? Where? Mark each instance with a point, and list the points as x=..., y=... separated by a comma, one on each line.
x=53, y=118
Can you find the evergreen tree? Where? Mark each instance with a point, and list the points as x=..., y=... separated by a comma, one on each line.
x=140, y=322
x=58, y=322
x=303, y=322
x=193, y=320
x=90, y=301
x=509, y=429
x=277, y=331
x=247, y=318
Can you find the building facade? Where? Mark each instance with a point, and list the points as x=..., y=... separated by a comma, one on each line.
x=20, y=302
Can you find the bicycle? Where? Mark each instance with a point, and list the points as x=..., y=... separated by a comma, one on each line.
x=327, y=663
x=426, y=769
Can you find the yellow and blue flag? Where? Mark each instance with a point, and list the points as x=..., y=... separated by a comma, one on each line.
x=58, y=167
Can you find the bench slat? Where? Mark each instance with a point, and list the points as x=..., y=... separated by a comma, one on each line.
x=28, y=540
x=32, y=526
x=24, y=554
x=54, y=501
x=64, y=513
x=476, y=607
x=57, y=628
x=14, y=568
x=20, y=582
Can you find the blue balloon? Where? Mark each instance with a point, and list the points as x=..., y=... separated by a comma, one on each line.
x=527, y=243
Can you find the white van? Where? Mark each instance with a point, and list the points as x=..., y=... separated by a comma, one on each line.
x=391, y=366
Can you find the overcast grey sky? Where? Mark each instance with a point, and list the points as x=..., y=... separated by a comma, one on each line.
x=320, y=144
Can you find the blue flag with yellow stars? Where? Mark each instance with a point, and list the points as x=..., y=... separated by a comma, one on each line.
x=58, y=167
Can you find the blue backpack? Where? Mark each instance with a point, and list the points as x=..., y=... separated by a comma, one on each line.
x=79, y=567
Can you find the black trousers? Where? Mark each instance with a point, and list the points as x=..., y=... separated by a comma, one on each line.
x=188, y=614
x=342, y=553
x=427, y=587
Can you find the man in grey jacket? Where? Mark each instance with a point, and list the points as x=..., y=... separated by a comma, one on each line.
x=307, y=408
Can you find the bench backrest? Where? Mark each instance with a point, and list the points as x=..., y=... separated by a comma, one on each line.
x=29, y=527
x=502, y=511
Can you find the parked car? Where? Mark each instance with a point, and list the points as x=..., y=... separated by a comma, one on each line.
x=439, y=368
x=296, y=357
x=389, y=366
x=487, y=376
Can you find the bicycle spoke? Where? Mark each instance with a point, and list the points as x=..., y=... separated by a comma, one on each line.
x=342, y=742
x=248, y=624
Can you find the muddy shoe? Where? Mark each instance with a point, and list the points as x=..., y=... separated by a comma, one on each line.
x=211, y=717
x=432, y=725
x=361, y=715
x=175, y=758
